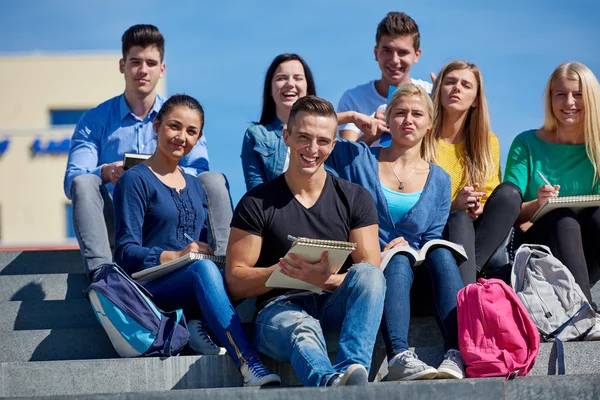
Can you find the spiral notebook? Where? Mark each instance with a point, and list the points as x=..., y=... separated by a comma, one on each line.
x=310, y=250
x=575, y=203
x=150, y=274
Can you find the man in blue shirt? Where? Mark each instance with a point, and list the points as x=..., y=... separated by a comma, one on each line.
x=119, y=125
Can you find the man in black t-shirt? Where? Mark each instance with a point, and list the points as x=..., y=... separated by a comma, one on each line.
x=306, y=201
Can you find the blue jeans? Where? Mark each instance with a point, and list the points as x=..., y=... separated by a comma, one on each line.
x=220, y=209
x=446, y=281
x=296, y=328
x=199, y=290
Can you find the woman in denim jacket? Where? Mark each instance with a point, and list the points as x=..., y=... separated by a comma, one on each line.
x=264, y=154
x=413, y=201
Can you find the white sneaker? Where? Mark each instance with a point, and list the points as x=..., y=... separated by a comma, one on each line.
x=200, y=342
x=453, y=366
x=256, y=374
x=594, y=332
x=406, y=366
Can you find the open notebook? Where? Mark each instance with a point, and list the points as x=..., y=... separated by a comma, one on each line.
x=575, y=203
x=457, y=251
x=150, y=274
x=310, y=250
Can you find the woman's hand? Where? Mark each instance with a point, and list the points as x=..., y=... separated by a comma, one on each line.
x=399, y=241
x=475, y=211
x=546, y=192
x=196, y=247
x=467, y=198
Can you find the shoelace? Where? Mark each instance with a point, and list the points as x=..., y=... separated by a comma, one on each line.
x=257, y=367
x=454, y=356
x=410, y=358
x=201, y=329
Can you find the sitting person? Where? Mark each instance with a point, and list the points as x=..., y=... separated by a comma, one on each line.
x=306, y=201
x=483, y=210
x=566, y=151
x=264, y=153
x=159, y=209
x=413, y=201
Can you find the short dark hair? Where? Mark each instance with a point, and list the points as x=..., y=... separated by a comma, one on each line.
x=311, y=105
x=399, y=24
x=143, y=35
x=268, y=110
x=180, y=100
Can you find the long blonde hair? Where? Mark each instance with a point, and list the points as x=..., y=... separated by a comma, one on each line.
x=411, y=90
x=590, y=89
x=477, y=160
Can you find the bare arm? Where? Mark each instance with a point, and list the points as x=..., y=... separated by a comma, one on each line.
x=242, y=279
x=349, y=135
x=529, y=208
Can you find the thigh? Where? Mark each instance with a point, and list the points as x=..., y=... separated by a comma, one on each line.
x=176, y=291
x=279, y=324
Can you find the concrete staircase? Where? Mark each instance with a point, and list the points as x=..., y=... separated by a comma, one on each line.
x=52, y=345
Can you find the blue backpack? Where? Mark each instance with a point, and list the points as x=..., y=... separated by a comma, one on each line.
x=135, y=326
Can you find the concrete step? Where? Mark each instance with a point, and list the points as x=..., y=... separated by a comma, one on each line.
x=194, y=372
x=41, y=262
x=48, y=314
x=42, y=287
x=80, y=336
x=582, y=387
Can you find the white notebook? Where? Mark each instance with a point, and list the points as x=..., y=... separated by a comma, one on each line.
x=575, y=203
x=310, y=250
x=457, y=250
x=150, y=274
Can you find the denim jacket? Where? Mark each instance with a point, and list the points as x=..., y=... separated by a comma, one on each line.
x=425, y=221
x=263, y=153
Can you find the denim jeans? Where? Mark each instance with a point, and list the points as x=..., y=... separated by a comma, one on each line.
x=298, y=328
x=446, y=281
x=220, y=209
x=199, y=290
x=93, y=217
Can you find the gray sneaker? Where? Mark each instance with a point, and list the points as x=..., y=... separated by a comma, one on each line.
x=200, y=342
x=406, y=366
x=453, y=366
x=355, y=375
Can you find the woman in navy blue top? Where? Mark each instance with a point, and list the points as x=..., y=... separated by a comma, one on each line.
x=413, y=201
x=160, y=215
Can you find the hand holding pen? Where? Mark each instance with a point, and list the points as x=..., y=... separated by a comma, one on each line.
x=546, y=191
x=195, y=246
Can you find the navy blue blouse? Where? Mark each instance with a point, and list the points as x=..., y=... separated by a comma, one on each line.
x=151, y=217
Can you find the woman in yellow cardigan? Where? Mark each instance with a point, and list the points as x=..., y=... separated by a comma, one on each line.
x=483, y=210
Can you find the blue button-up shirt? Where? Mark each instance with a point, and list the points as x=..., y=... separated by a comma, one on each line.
x=105, y=133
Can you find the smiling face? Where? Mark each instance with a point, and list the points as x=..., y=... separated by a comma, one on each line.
x=178, y=132
x=310, y=139
x=567, y=101
x=395, y=56
x=142, y=69
x=409, y=121
x=288, y=85
x=458, y=91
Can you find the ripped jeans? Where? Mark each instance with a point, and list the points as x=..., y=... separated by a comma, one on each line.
x=301, y=328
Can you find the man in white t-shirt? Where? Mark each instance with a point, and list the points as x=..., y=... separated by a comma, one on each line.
x=397, y=48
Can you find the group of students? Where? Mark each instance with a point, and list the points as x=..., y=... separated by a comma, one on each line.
x=439, y=178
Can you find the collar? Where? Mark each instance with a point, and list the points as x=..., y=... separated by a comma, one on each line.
x=277, y=126
x=124, y=109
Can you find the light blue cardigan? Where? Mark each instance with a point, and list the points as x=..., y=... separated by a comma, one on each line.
x=358, y=163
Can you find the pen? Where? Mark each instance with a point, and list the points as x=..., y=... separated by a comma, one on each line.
x=188, y=237
x=546, y=181
x=292, y=238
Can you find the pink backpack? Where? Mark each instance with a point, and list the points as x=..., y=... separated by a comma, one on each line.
x=496, y=336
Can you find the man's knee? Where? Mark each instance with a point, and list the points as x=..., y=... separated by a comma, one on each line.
x=210, y=179
x=85, y=186
x=366, y=276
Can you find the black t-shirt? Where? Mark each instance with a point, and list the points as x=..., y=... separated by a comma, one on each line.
x=272, y=212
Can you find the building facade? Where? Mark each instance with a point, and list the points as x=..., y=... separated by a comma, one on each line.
x=44, y=95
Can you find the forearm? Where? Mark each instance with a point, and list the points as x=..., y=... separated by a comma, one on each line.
x=245, y=282
x=527, y=210
x=349, y=135
x=369, y=140
x=346, y=117
x=167, y=256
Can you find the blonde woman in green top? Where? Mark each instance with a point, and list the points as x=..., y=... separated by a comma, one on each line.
x=566, y=151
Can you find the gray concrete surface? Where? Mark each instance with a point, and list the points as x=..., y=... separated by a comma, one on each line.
x=46, y=314
x=42, y=287
x=40, y=262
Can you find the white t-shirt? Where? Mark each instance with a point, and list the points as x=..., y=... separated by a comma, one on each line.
x=365, y=99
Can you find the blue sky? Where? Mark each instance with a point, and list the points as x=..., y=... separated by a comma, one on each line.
x=219, y=51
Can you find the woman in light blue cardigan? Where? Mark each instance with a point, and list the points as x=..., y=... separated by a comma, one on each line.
x=413, y=201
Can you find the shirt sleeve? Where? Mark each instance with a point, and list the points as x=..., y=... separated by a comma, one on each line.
x=249, y=216
x=85, y=151
x=517, y=164
x=130, y=201
x=364, y=212
x=346, y=104
x=436, y=228
x=196, y=161
x=252, y=164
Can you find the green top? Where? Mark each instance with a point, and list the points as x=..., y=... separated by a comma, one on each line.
x=566, y=165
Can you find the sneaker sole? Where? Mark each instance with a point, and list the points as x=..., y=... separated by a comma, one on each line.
x=448, y=374
x=430, y=373
x=352, y=372
x=267, y=381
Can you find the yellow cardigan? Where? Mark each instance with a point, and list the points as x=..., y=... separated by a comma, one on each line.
x=450, y=158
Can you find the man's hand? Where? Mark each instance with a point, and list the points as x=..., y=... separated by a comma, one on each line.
x=370, y=126
x=112, y=172
x=314, y=273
